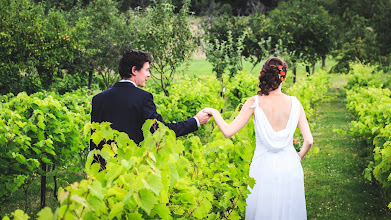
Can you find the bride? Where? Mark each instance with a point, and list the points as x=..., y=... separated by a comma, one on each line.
x=276, y=166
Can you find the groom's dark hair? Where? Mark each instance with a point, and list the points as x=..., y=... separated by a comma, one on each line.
x=132, y=58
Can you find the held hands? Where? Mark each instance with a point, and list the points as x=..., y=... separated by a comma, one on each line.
x=209, y=111
x=205, y=114
x=202, y=117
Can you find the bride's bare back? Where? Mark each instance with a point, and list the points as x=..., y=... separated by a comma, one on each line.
x=277, y=109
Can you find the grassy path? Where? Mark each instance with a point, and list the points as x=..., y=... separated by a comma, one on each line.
x=334, y=182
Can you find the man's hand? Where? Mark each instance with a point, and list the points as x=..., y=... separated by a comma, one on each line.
x=202, y=117
x=209, y=111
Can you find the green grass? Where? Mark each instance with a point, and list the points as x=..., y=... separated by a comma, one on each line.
x=199, y=66
x=334, y=181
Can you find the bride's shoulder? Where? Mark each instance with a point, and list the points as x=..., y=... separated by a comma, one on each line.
x=252, y=101
x=291, y=97
x=296, y=101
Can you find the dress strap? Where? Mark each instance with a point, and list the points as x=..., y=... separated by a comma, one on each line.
x=295, y=102
x=256, y=102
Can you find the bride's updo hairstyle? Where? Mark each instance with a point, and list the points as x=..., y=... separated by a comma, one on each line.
x=271, y=75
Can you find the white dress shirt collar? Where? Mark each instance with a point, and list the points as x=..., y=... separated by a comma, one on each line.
x=126, y=80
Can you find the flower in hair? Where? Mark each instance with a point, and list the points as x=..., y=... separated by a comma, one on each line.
x=281, y=73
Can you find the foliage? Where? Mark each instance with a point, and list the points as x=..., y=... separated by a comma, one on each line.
x=224, y=44
x=35, y=46
x=240, y=88
x=189, y=96
x=70, y=83
x=367, y=76
x=223, y=55
x=372, y=123
x=161, y=178
x=257, y=45
x=360, y=44
x=304, y=27
x=380, y=24
x=218, y=27
x=363, y=35
x=36, y=131
x=166, y=36
x=105, y=34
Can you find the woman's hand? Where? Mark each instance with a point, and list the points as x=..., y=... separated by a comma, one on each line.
x=301, y=155
x=209, y=111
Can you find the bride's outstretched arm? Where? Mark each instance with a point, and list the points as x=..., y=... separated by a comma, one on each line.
x=306, y=132
x=229, y=130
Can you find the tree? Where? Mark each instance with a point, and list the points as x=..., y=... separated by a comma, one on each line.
x=304, y=27
x=225, y=55
x=35, y=46
x=166, y=36
x=257, y=45
x=381, y=22
x=105, y=32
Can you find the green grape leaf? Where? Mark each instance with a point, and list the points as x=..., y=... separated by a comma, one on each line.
x=41, y=124
x=90, y=159
x=107, y=133
x=203, y=209
x=188, y=197
x=80, y=200
x=96, y=138
x=251, y=182
x=155, y=182
x=46, y=160
x=146, y=126
x=152, y=156
x=45, y=214
x=87, y=129
x=149, y=143
x=135, y=216
x=145, y=199
x=97, y=205
x=163, y=211
x=107, y=152
x=116, y=210
x=96, y=189
x=89, y=216
x=235, y=215
x=20, y=215
x=19, y=157
x=174, y=176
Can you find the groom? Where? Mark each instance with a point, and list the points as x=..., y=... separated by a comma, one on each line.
x=127, y=106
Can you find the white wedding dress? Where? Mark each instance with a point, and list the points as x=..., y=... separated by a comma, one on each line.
x=279, y=189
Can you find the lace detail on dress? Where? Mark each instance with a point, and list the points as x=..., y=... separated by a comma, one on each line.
x=256, y=102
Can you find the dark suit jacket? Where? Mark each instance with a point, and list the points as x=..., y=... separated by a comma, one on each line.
x=128, y=107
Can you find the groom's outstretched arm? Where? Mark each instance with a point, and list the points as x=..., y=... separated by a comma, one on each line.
x=180, y=128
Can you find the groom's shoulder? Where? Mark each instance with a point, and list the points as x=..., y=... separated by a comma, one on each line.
x=143, y=92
